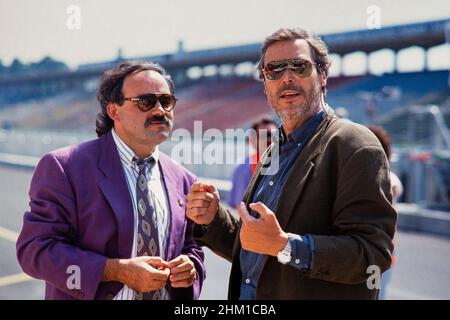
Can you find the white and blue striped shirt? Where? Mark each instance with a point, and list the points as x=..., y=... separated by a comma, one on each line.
x=157, y=194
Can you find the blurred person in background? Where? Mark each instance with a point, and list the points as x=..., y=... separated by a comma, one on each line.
x=396, y=191
x=260, y=139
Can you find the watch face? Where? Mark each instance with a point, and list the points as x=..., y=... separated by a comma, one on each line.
x=284, y=257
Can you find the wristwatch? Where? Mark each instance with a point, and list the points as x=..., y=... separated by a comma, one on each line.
x=284, y=256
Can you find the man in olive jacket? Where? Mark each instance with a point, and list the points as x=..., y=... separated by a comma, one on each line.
x=321, y=222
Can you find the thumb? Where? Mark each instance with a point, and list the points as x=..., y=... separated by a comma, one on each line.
x=209, y=187
x=243, y=213
x=262, y=209
x=196, y=186
x=157, y=262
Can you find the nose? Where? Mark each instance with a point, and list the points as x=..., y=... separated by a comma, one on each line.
x=288, y=75
x=158, y=109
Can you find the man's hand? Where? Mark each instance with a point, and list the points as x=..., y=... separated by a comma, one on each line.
x=142, y=274
x=182, y=272
x=145, y=274
x=202, y=203
x=261, y=235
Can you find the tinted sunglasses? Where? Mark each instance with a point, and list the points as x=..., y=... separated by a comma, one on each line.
x=148, y=101
x=301, y=67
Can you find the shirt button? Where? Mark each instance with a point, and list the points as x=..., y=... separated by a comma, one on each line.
x=270, y=183
x=299, y=144
x=247, y=281
x=297, y=261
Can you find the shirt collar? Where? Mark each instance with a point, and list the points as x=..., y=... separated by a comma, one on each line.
x=126, y=154
x=300, y=134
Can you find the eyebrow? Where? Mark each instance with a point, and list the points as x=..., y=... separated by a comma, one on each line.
x=302, y=57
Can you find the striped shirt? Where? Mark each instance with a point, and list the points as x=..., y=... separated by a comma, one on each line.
x=157, y=195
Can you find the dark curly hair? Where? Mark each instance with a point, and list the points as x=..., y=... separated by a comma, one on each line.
x=110, y=89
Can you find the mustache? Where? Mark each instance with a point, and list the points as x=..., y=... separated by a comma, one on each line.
x=154, y=119
x=291, y=86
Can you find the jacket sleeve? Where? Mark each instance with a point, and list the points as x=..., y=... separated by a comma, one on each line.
x=46, y=247
x=193, y=251
x=363, y=221
x=196, y=254
x=220, y=235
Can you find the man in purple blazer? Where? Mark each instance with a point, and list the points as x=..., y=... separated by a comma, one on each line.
x=107, y=217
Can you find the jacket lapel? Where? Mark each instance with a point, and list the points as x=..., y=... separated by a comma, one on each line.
x=176, y=200
x=293, y=187
x=300, y=172
x=115, y=190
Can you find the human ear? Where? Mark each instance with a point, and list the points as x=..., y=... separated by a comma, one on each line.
x=112, y=110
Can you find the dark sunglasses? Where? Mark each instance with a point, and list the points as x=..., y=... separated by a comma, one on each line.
x=301, y=67
x=148, y=101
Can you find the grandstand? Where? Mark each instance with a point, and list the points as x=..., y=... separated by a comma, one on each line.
x=390, y=91
x=222, y=102
x=218, y=102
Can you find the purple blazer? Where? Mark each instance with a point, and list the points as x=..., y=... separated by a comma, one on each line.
x=81, y=214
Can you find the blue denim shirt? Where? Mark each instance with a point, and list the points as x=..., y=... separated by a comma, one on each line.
x=268, y=192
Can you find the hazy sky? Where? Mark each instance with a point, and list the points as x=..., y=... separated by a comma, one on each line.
x=30, y=30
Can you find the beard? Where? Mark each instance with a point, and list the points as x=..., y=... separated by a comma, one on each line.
x=300, y=111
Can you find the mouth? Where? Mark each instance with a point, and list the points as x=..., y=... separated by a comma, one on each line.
x=289, y=94
x=158, y=123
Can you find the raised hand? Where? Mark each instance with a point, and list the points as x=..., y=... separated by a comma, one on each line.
x=261, y=235
x=202, y=203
